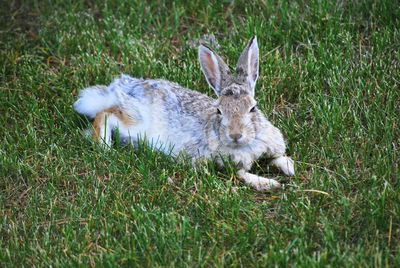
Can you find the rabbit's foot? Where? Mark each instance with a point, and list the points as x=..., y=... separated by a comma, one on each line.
x=285, y=164
x=257, y=182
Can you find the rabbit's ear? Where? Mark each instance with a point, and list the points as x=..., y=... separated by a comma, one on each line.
x=247, y=66
x=214, y=68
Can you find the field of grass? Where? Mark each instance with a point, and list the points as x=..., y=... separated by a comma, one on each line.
x=329, y=79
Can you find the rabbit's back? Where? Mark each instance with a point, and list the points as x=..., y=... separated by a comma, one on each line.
x=175, y=98
x=171, y=117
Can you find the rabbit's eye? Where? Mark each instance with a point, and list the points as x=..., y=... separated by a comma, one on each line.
x=253, y=109
x=218, y=111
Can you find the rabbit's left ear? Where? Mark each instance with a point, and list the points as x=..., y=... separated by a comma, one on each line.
x=247, y=66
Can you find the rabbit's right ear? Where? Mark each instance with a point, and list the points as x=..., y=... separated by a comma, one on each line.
x=214, y=68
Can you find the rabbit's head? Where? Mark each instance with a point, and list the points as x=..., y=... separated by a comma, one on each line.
x=236, y=109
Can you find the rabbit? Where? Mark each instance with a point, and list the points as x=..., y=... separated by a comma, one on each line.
x=178, y=120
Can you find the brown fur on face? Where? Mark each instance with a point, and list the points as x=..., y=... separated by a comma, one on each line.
x=235, y=105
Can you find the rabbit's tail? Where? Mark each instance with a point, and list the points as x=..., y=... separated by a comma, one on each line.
x=95, y=99
x=98, y=98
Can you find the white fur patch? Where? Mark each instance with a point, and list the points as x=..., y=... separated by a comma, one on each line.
x=93, y=100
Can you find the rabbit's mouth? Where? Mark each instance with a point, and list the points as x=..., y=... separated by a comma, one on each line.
x=237, y=144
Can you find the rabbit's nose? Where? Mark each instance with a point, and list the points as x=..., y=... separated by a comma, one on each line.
x=235, y=136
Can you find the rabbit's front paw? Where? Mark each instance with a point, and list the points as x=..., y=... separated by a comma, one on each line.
x=257, y=182
x=264, y=184
x=285, y=164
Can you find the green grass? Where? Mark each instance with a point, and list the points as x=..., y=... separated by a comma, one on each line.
x=329, y=78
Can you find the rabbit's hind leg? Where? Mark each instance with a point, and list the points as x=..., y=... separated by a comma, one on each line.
x=108, y=120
